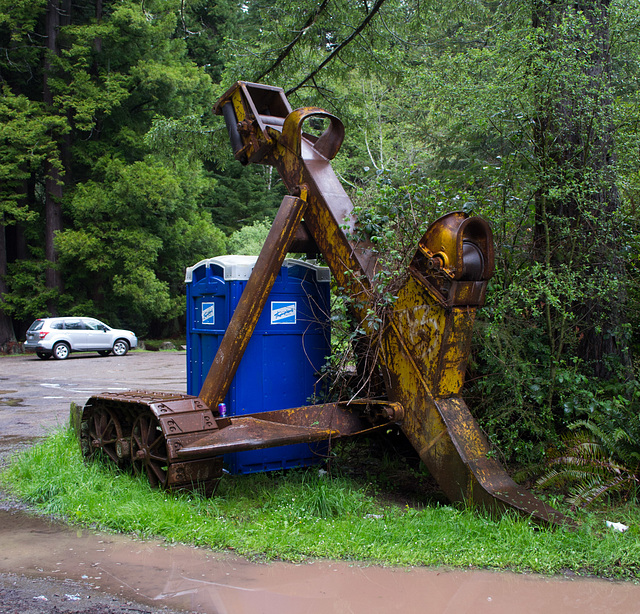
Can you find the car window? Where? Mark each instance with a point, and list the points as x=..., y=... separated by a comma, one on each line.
x=37, y=325
x=74, y=325
x=93, y=324
x=57, y=326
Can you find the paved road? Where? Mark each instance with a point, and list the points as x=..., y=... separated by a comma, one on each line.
x=35, y=394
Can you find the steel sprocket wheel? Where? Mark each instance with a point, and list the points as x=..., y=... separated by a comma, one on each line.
x=103, y=430
x=149, y=450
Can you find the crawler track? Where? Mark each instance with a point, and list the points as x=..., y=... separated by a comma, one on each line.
x=144, y=431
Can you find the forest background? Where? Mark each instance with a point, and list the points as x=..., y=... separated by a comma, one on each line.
x=115, y=175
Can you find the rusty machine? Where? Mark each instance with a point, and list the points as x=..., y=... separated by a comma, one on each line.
x=178, y=440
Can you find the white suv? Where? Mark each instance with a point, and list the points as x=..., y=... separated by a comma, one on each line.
x=58, y=337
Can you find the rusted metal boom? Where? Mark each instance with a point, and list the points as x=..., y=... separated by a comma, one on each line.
x=251, y=303
x=425, y=341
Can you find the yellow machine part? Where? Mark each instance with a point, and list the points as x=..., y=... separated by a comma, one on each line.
x=425, y=338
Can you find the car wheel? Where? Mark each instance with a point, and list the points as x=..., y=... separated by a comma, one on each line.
x=104, y=352
x=120, y=347
x=43, y=355
x=61, y=351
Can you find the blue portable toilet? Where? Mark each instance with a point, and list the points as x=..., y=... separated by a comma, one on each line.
x=280, y=367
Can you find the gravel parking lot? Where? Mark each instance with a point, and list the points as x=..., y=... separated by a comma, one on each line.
x=35, y=394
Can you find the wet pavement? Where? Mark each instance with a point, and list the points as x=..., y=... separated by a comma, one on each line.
x=35, y=397
x=35, y=394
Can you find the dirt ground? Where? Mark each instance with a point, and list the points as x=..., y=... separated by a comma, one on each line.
x=22, y=595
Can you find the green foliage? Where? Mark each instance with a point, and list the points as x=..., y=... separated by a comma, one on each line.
x=599, y=458
x=206, y=27
x=243, y=196
x=28, y=296
x=518, y=115
x=248, y=241
x=526, y=379
x=26, y=142
x=135, y=233
x=395, y=210
x=120, y=87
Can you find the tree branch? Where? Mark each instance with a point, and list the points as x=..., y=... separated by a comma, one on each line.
x=340, y=47
x=287, y=50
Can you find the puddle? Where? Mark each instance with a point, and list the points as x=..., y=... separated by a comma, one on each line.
x=11, y=402
x=208, y=583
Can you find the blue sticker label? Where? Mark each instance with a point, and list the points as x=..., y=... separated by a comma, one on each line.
x=283, y=312
x=208, y=313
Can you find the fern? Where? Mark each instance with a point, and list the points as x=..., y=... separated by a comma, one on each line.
x=599, y=457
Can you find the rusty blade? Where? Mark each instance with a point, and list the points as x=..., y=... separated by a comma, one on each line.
x=490, y=485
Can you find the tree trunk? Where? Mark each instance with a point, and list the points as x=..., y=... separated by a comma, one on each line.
x=97, y=44
x=577, y=200
x=7, y=334
x=53, y=169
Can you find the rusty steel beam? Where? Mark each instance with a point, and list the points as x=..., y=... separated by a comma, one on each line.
x=290, y=426
x=253, y=299
x=252, y=433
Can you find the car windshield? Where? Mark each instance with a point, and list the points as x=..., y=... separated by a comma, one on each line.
x=37, y=325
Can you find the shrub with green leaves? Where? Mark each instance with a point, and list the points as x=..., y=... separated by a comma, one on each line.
x=248, y=241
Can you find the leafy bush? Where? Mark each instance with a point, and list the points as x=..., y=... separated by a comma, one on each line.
x=248, y=241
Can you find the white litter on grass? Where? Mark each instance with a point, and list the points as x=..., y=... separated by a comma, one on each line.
x=617, y=526
x=41, y=598
x=72, y=597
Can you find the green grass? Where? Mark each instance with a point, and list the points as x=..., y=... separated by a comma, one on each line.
x=155, y=345
x=301, y=515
